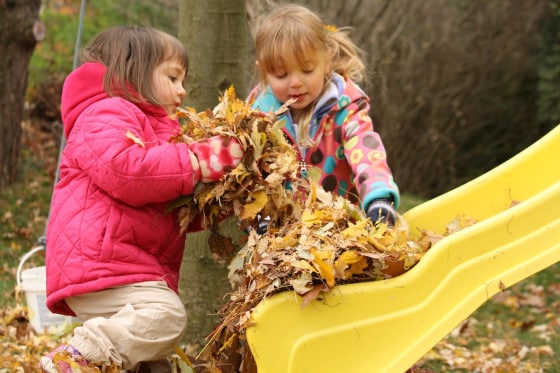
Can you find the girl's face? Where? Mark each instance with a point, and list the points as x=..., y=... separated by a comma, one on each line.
x=303, y=82
x=168, y=80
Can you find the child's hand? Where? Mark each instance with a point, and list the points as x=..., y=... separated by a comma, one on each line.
x=262, y=224
x=382, y=211
x=216, y=156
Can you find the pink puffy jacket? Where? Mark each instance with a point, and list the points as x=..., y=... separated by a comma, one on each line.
x=108, y=225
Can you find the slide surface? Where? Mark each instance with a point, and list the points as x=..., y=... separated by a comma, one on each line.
x=386, y=326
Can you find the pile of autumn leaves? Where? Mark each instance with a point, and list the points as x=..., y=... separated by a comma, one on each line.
x=315, y=240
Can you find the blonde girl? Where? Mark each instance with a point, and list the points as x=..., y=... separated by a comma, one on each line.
x=314, y=68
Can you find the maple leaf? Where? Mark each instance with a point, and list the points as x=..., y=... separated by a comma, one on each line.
x=310, y=218
x=345, y=260
x=356, y=268
x=356, y=230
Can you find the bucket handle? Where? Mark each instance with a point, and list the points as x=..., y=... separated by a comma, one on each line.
x=24, y=259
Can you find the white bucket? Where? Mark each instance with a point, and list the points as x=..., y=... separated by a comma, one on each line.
x=33, y=282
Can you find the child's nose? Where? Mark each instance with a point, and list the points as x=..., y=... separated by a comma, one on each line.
x=181, y=92
x=295, y=81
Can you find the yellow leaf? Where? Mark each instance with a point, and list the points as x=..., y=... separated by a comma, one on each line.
x=136, y=140
x=302, y=283
x=302, y=264
x=314, y=173
x=356, y=230
x=344, y=260
x=289, y=240
x=319, y=217
x=251, y=210
x=276, y=135
x=259, y=140
x=323, y=263
x=312, y=197
x=356, y=268
x=227, y=343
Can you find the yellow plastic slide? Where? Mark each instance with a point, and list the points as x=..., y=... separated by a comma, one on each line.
x=386, y=326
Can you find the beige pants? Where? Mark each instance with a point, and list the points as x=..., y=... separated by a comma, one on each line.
x=129, y=324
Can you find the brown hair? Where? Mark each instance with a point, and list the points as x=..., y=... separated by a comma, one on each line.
x=131, y=54
x=294, y=30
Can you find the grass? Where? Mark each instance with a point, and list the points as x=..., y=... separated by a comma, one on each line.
x=517, y=330
x=24, y=207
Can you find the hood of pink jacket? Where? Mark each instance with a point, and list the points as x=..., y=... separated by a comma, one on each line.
x=83, y=87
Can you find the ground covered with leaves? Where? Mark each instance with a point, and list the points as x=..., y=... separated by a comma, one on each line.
x=516, y=331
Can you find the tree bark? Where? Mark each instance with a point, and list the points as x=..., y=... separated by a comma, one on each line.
x=20, y=30
x=204, y=282
x=215, y=34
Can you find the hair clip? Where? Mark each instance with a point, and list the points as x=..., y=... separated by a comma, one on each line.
x=330, y=28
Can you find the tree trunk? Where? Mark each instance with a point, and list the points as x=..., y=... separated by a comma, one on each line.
x=215, y=34
x=20, y=30
x=204, y=284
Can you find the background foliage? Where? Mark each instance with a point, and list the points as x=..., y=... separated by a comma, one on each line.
x=53, y=58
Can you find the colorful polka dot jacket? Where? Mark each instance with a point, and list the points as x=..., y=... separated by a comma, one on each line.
x=345, y=148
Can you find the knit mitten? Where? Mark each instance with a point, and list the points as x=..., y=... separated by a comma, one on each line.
x=216, y=156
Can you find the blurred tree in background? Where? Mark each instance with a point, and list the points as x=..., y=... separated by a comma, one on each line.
x=548, y=103
x=457, y=87
x=216, y=36
x=20, y=30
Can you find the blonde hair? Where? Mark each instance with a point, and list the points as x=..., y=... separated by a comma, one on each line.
x=294, y=30
x=131, y=54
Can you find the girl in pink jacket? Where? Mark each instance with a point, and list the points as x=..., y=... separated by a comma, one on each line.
x=315, y=66
x=113, y=251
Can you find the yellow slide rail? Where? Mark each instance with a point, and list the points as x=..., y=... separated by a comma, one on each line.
x=386, y=326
